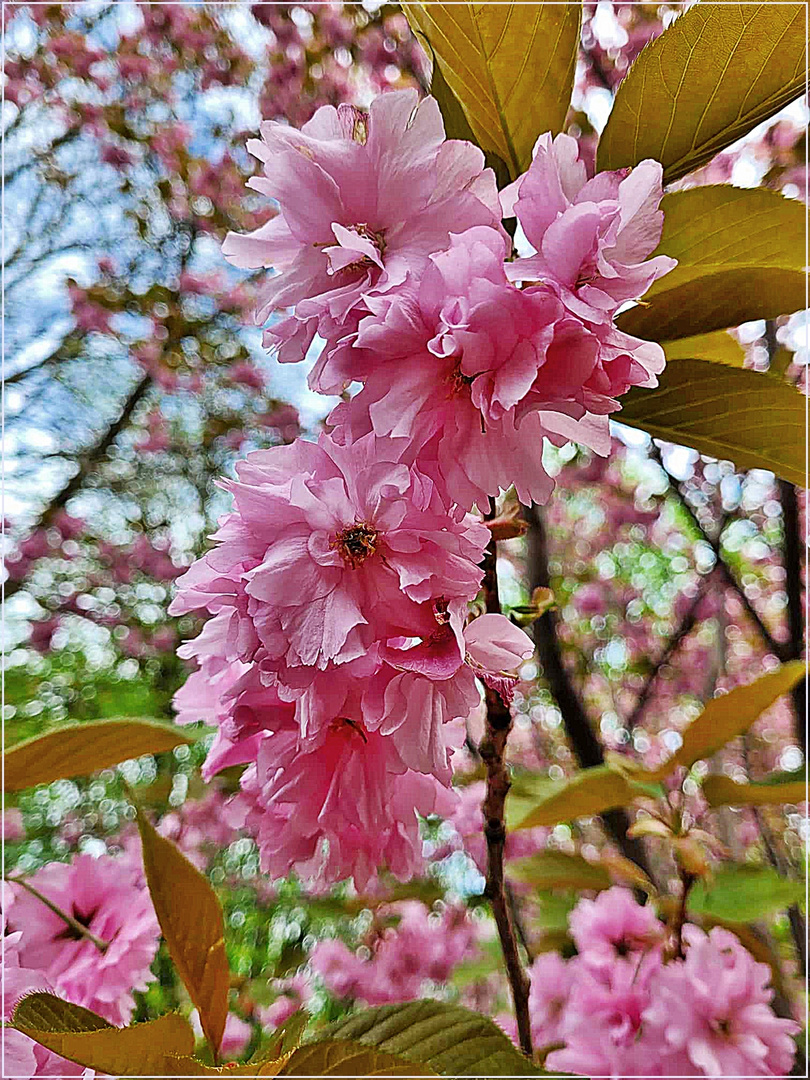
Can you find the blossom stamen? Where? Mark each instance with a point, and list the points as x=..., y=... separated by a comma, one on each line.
x=356, y=544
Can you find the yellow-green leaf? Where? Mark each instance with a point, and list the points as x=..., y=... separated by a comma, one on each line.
x=342, y=1057
x=754, y=419
x=191, y=920
x=81, y=1036
x=729, y=715
x=717, y=72
x=744, y=893
x=450, y=1040
x=510, y=66
x=740, y=255
x=541, y=801
x=80, y=749
x=783, y=790
x=559, y=870
x=718, y=347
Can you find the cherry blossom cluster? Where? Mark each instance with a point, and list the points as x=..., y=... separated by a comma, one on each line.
x=422, y=949
x=41, y=952
x=339, y=647
x=620, y=1009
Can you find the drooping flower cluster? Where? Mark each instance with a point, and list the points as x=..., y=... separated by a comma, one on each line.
x=337, y=653
x=620, y=1010
x=389, y=245
x=338, y=649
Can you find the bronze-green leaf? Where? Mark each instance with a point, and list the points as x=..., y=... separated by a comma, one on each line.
x=783, y=789
x=450, y=1040
x=191, y=919
x=740, y=255
x=717, y=72
x=719, y=347
x=342, y=1057
x=80, y=749
x=754, y=419
x=559, y=870
x=542, y=801
x=729, y=715
x=79, y=1035
x=510, y=66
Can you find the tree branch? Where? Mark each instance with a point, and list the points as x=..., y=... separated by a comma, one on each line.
x=87, y=462
x=586, y=746
x=677, y=488
x=493, y=750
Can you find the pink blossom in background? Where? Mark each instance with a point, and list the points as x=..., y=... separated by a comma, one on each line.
x=613, y=925
x=107, y=896
x=13, y=827
x=293, y=993
x=422, y=948
x=365, y=198
x=235, y=1037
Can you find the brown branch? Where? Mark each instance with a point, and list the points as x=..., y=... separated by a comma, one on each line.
x=584, y=742
x=792, y=560
x=493, y=751
x=87, y=463
x=678, y=490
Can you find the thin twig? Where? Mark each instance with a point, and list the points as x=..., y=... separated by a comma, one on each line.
x=74, y=924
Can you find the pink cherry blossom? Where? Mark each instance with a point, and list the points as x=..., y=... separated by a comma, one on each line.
x=592, y=237
x=107, y=896
x=328, y=549
x=613, y=925
x=714, y=1007
x=422, y=948
x=474, y=371
x=365, y=198
x=341, y=806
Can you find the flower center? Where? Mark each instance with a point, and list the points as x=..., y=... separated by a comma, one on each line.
x=356, y=544
x=341, y=723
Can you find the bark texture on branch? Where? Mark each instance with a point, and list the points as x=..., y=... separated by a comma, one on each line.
x=493, y=753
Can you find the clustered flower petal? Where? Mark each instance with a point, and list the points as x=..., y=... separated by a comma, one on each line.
x=619, y=1009
x=107, y=896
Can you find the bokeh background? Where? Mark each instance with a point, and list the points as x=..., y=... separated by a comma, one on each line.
x=134, y=378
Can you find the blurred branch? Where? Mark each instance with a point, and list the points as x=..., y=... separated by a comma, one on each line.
x=87, y=463
x=584, y=742
x=678, y=489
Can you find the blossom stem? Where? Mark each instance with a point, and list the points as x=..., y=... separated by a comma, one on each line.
x=492, y=751
x=74, y=924
x=687, y=881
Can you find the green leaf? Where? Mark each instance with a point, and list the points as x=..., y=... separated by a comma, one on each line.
x=79, y=1035
x=743, y=894
x=559, y=870
x=79, y=749
x=718, y=347
x=729, y=715
x=510, y=66
x=191, y=920
x=740, y=255
x=342, y=1057
x=541, y=801
x=446, y=1038
x=754, y=419
x=784, y=789
x=717, y=72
